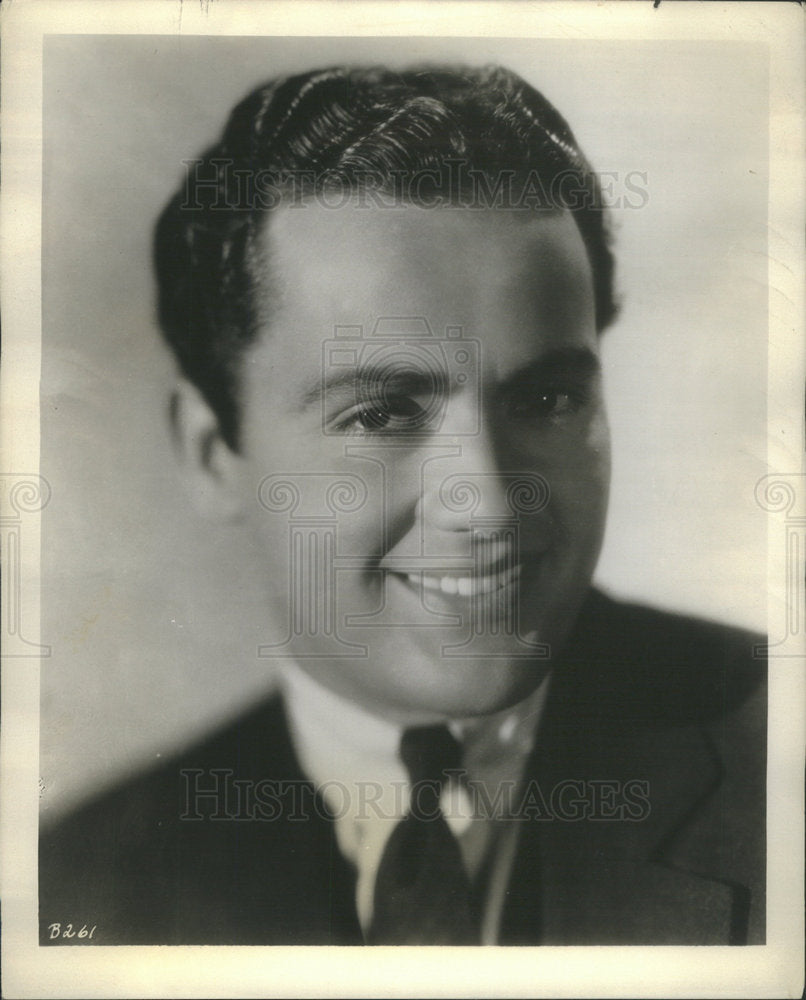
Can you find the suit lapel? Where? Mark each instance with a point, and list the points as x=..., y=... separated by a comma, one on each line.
x=307, y=853
x=288, y=853
x=596, y=864
x=612, y=880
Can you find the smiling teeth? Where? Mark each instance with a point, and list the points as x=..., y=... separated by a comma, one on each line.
x=466, y=586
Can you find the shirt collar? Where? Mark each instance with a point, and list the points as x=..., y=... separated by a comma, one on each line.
x=352, y=758
x=338, y=741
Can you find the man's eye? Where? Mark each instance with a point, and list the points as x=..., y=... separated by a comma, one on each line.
x=398, y=415
x=546, y=404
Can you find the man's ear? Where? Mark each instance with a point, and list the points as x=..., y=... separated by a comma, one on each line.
x=210, y=468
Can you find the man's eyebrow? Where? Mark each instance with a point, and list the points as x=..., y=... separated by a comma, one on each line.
x=359, y=381
x=574, y=362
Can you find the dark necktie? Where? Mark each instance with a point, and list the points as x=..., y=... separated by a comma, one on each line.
x=422, y=891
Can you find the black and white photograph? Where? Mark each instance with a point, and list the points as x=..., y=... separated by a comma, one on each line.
x=412, y=515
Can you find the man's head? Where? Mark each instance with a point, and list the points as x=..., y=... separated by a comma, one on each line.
x=387, y=314
x=467, y=137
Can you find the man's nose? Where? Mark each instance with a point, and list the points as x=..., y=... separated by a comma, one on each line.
x=468, y=489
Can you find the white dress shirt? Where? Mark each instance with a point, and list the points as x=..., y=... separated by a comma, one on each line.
x=351, y=756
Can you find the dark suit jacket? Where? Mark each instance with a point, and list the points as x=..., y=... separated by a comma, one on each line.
x=673, y=706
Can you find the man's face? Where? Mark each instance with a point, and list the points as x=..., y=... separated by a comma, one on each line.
x=442, y=366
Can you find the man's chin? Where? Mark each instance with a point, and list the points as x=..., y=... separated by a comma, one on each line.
x=501, y=687
x=461, y=687
x=405, y=686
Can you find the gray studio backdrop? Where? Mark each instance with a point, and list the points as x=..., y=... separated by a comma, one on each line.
x=154, y=616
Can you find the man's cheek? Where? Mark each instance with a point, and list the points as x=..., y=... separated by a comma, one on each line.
x=598, y=449
x=586, y=472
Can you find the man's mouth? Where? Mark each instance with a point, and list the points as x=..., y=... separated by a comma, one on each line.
x=465, y=586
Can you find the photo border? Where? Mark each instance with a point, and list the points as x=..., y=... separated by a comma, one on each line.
x=774, y=969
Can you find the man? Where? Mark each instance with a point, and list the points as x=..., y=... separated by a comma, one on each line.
x=385, y=292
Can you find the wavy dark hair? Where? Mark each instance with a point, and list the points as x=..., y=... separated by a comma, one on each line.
x=428, y=135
